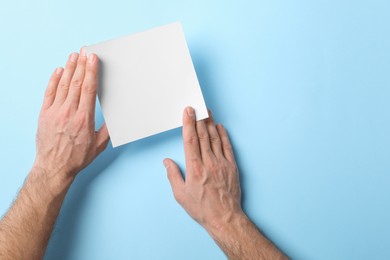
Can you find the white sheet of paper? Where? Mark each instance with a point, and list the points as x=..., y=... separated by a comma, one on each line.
x=145, y=82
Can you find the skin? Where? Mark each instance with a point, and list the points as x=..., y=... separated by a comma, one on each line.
x=211, y=192
x=66, y=142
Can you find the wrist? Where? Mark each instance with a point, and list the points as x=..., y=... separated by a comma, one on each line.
x=235, y=223
x=50, y=181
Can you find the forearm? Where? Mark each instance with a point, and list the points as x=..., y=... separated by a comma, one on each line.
x=241, y=239
x=25, y=230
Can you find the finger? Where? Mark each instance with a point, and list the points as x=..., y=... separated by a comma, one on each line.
x=51, y=89
x=215, y=140
x=226, y=146
x=102, y=138
x=89, y=87
x=63, y=85
x=77, y=81
x=175, y=179
x=204, y=140
x=190, y=137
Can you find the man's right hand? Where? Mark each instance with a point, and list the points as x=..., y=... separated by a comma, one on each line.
x=211, y=191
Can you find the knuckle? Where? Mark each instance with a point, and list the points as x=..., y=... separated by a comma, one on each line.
x=86, y=112
x=227, y=146
x=43, y=119
x=196, y=164
x=61, y=123
x=66, y=112
x=213, y=166
x=203, y=136
x=89, y=88
x=230, y=166
x=191, y=140
x=215, y=139
x=82, y=119
x=49, y=92
x=227, y=166
x=197, y=167
x=234, y=167
x=64, y=86
x=76, y=83
x=207, y=152
x=197, y=175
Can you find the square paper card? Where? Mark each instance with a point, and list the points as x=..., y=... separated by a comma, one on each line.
x=146, y=81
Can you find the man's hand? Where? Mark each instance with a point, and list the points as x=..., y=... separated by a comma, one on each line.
x=66, y=140
x=211, y=191
x=66, y=143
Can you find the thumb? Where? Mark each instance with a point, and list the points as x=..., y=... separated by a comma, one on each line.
x=102, y=138
x=176, y=179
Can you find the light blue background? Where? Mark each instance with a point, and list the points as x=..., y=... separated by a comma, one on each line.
x=303, y=88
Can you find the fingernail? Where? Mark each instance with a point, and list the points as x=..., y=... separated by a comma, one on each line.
x=73, y=57
x=91, y=58
x=59, y=70
x=190, y=111
x=82, y=52
x=166, y=164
